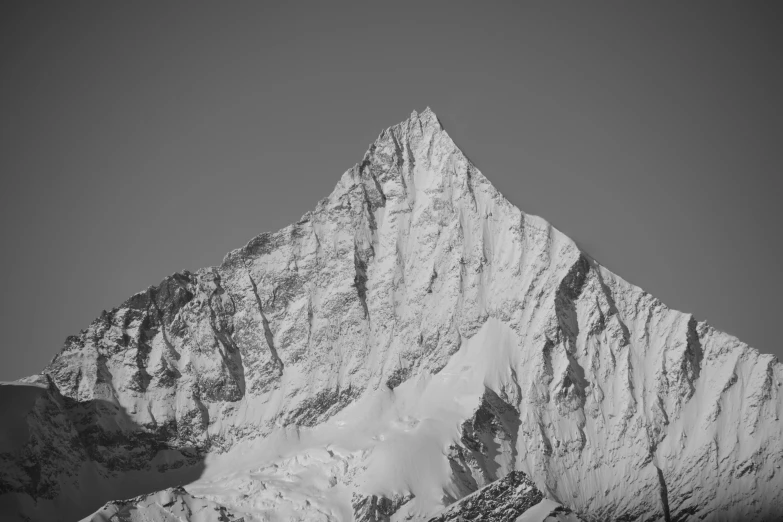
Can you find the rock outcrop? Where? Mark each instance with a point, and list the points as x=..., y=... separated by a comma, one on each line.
x=501, y=501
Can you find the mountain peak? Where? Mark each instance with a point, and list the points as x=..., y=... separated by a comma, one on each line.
x=409, y=341
x=414, y=161
x=422, y=121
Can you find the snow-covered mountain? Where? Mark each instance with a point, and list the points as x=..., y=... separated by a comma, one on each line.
x=411, y=340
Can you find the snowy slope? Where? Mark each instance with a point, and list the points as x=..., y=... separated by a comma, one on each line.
x=412, y=339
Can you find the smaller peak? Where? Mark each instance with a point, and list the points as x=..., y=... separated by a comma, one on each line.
x=426, y=114
x=430, y=116
x=426, y=117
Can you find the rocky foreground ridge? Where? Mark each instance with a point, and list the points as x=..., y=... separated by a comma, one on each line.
x=411, y=340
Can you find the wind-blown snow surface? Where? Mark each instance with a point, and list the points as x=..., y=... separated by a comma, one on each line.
x=411, y=340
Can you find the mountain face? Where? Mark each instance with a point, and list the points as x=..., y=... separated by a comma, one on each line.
x=413, y=339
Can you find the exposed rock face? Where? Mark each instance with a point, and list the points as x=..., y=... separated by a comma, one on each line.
x=373, y=508
x=62, y=449
x=487, y=445
x=501, y=501
x=44, y=441
x=612, y=403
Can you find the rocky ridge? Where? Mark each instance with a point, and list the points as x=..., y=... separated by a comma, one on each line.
x=613, y=404
x=169, y=505
x=501, y=501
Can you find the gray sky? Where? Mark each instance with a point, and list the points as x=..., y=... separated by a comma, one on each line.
x=141, y=139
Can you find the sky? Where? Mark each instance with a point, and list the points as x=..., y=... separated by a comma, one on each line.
x=141, y=139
